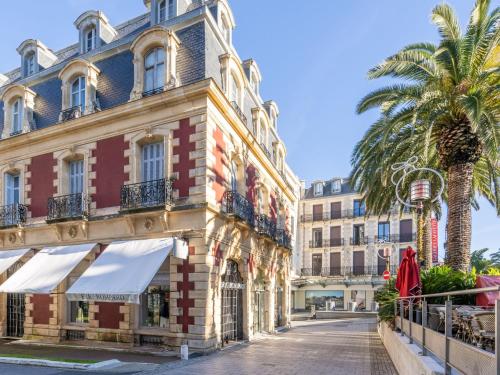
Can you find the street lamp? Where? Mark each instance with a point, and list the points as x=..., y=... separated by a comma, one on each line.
x=420, y=192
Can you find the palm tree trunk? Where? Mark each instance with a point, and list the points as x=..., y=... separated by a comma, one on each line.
x=459, y=216
x=428, y=240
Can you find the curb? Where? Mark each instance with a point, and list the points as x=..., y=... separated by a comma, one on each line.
x=57, y=364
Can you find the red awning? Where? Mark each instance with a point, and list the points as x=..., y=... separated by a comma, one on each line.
x=487, y=299
x=408, y=279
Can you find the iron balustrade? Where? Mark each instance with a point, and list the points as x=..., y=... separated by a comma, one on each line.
x=283, y=238
x=71, y=113
x=407, y=237
x=68, y=207
x=266, y=226
x=359, y=241
x=146, y=195
x=332, y=242
x=266, y=151
x=348, y=271
x=237, y=205
x=155, y=91
x=239, y=112
x=336, y=242
x=13, y=215
x=327, y=215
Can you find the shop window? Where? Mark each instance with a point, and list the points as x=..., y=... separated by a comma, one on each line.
x=326, y=300
x=155, y=307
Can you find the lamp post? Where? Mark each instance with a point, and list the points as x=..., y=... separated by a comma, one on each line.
x=420, y=192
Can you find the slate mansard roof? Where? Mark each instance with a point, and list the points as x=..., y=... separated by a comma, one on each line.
x=197, y=59
x=345, y=188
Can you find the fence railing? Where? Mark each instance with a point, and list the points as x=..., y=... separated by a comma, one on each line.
x=332, y=242
x=284, y=238
x=266, y=226
x=326, y=216
x=146, y=195
x=349, y=271
x=13, y=215
x=237, y=205
x=239, y=112
x=68, y=207
x=457, y=335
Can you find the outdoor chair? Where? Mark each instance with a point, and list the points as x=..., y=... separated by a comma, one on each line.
x=484, y=330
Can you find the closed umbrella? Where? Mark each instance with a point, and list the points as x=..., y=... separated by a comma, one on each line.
x=408, y=280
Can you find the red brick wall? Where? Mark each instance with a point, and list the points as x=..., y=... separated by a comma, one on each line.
x=251, y=182
x=109, y=315
x=219, y=184
x=42, y=183
x=110, y=162
x=41, y=309
x=184, y=182
x=185, y=286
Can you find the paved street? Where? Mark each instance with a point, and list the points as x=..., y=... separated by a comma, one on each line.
x=349, y=346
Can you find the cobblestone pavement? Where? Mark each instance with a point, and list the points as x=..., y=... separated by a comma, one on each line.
x=339, y=347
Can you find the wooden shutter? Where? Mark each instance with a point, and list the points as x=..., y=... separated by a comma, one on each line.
x=336, y=210
x=318, y=212
x=335, y=264
x=335, y=236
x=405, y=230
x=358, y=260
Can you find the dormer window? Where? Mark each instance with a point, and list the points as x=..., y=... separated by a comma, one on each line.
x=29, y=64
x=17, y=117
x=90, y=39
x=336, y=186
x=318, y=189
x=234, y=95
x=78, y=93
x=154, y=70
x=161, y=12
x=226, y=31
x=34, y=56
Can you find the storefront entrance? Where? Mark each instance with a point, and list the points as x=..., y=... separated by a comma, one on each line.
x=15, y=309
x=232, y=304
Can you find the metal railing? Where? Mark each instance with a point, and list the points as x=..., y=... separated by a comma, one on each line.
x=407, y=237
x=266, y=226
x=239, y=112
x=266, y=151
x=13, y=215
x=146, y=195
x=445, y=336
x=154, y=91
x=68, y=207
x=237, y=205
x=332, y=242
x=284, y=238
x=71, y=113
x=327, y=215
x=360, y=241
x=348, y=271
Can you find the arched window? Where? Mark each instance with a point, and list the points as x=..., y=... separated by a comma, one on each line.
x=17, y=117
x=226, y=30
x=29, y=64
x=78, y=93
x=235, y=90
x=90, y=39
x=154, y=70
x=161, y=12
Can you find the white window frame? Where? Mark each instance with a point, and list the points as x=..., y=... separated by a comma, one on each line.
x=161, y=6
x=226, y=30
x=11, y=188
x=17, y=116
x=336, y=186
x=263, y=134
x=76, y=175
x=92, y=32
x=318, y=189
x=78, y=91
x=157, y=68
x=29, y=64
x=153, y=161
x=234, y=90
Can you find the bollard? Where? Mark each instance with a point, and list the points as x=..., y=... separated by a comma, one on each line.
x=184, y=352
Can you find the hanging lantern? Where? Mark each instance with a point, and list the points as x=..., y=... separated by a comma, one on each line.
x=420, y=190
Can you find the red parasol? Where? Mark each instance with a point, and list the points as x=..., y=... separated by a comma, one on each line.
x=408, y=280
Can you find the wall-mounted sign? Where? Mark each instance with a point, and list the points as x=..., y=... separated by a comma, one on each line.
x=435, y=246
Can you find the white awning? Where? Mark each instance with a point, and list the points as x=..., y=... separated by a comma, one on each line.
x=9, y=257
x=122, y=272
x=46, y=270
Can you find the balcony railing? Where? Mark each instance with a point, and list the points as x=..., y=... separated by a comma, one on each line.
x=155, y=91
x=332, y=242
x=237, y=205
x=266, y=151
x=359, y=241
x=327, y=215
x=283, y=238
x=347, y=271
x=266, y=226
x=407, y=237
x=239, y=112
x=13, y=215
x=68, y=207
x=146, y=195
x=71, y=113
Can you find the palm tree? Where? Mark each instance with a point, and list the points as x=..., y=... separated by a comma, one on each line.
x=445, y=109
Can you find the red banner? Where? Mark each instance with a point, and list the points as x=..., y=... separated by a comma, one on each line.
x=435, y=244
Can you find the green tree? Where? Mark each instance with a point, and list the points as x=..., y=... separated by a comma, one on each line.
x=445, y=108
x=495, y=259
x=479, y=262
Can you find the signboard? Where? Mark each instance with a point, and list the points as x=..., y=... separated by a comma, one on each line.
x=386, y=275
x=435, y=243
x=181, y=249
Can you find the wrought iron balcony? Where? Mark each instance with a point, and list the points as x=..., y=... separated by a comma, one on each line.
x=266, y=226
x=386, y=238
x=71, y=113
x=347, y=271
x=284, y=239
x=336, y=242
x=359, y=241
x=407, y=237
x=332, y=242
x=146, y=195
x=266, y=151
x=237, y=205
x=155, y=91
x=327, y=215
x=68, y=207
x=13, y=215
x=239, y=112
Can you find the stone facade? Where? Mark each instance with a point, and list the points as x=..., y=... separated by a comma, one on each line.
x=211, y=153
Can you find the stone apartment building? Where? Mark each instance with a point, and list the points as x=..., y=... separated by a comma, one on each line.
x=339, y=257
x=145, y=195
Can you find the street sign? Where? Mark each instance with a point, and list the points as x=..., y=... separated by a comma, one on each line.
x=386, y=275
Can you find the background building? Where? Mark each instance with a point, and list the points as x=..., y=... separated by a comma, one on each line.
x=150, y=130
x=340, y=254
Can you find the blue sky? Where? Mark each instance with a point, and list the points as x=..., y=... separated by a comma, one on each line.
x=313, y=60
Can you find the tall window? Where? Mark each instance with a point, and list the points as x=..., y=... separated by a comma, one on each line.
x=318, y=189
x=154, y=70
x=226, y=32
x=12, y=188
x=384, y=231
x=154, y=307
x=234, y=176
x=17, y=117
x=161, y=12
x=336, y=186
x=262, y=139
x=78, y=310
x=76, y=177
x=234, y=95
x=153, y=162
x=358, y=235
x=78, y=93
x=359, y=208
x=29, y=64
x=317, y=235
x=90, y=39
